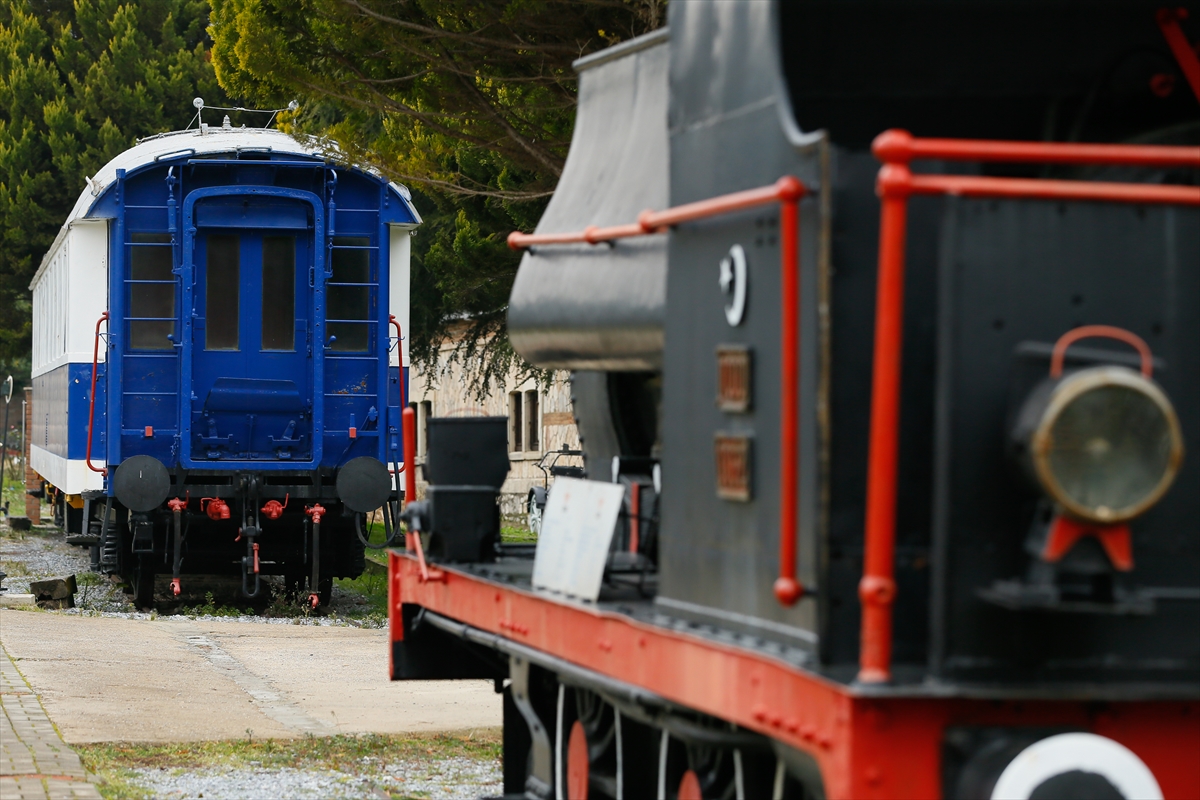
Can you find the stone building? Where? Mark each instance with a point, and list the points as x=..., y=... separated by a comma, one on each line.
x=539, y=419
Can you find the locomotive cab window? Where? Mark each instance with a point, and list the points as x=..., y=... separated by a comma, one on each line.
x=221, y=290
x=348, y=294
x=278, y=293
x=151, y=292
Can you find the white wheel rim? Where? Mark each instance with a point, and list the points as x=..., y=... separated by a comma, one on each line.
x=1085, y=752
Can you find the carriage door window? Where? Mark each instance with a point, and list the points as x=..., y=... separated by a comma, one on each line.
x=222, y=286
x=151, y=292
x=348, y=298
x=278, y=293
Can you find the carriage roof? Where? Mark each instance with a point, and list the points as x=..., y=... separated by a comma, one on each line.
x=168, y=147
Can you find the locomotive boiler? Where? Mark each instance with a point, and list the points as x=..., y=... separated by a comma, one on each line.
x=217, y=359
x=882, y=318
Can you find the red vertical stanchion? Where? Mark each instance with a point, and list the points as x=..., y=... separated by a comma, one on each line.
x=787, y=589
x=877, y=590
x=409, y=425
x=92, y=398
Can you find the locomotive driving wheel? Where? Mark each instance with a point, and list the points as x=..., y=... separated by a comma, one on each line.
x=587, y=758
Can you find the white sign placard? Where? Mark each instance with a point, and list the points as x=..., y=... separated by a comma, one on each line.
x=577, y=530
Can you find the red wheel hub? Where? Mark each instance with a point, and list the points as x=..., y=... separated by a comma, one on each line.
x=577, y=763
x=689, y=787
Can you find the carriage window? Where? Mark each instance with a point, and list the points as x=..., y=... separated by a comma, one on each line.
x=348, y=293
x=221, y=290
x=279, y=293
x=151, y=292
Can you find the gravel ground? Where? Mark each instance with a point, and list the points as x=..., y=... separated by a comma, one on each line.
x=44, y=553
x=445, y=779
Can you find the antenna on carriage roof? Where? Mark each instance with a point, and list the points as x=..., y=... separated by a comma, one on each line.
x=198, y=103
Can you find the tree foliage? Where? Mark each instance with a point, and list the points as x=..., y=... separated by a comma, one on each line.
x=471, y=102
x=79, y=83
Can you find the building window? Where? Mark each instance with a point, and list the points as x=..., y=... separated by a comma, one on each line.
x=424, y=412
x=516, y=402
x=524, y=422
x=533, y=422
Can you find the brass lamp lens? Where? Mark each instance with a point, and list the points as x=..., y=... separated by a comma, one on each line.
x=1108, y=445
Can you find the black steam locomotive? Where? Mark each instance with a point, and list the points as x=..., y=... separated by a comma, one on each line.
x=903, y=429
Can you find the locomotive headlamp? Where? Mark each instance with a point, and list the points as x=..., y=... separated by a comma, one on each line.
x=1103, y=442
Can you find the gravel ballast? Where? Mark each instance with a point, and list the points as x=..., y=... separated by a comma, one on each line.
x=44, y=553
x=445, y=779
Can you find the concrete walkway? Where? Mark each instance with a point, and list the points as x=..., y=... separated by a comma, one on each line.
x=34, y=760
x=107, y=679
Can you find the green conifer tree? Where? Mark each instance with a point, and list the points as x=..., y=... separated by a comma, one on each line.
x=79, y=83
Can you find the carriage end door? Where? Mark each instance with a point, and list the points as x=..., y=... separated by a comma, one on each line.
x=253, y=281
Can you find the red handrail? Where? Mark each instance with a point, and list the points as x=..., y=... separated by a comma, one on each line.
x=92, y=400
x=403, y=397
x=400, y=358
x=786, y=191
x=895, y=148
x=650, y=221
x=900, y=147
x=1100, y=331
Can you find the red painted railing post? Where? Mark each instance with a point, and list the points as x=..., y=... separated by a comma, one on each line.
x=1168, y=22
x=787, y=588
x=877, y=589
x=409, y=427
x=400, y=358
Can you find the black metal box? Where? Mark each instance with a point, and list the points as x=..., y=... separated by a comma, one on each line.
x=467, y=451
x=465, y=523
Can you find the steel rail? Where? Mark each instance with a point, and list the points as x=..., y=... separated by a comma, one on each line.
x=787, y=191
x=895, y=184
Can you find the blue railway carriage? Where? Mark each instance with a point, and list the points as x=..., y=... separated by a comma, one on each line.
x=218, y=351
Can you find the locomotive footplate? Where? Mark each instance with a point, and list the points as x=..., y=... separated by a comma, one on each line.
x=627, y=655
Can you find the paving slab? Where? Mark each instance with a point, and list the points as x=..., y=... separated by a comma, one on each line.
x=35, y=762
x=106, y=679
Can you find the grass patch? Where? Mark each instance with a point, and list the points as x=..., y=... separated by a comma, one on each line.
x=209, y=608
x=515, y=530
x=371, y=586
x=377, y=535
x=361, y=755
x=14, y=568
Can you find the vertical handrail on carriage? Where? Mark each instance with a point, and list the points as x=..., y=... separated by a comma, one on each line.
x=895, y=184
x=92, y=399
x=787, y=191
